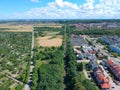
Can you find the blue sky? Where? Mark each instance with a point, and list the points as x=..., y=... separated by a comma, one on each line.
x=59, y=9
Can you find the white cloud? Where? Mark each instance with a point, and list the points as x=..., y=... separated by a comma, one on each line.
x=36, y=1
x=62, y=3
x=65, y=9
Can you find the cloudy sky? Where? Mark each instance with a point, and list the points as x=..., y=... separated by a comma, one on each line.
x=59, y=9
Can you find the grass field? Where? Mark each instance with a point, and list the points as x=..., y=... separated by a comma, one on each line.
x=54, y=25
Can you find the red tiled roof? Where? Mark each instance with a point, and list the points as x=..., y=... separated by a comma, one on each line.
x=118, y=73
x=117, y=69
x=105, y=85
x=114, y=67
x=109, y=62
x=96, y=69
x=106, y=80
x=101, y=77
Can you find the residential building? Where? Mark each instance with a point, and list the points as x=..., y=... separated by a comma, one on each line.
x=115, y=48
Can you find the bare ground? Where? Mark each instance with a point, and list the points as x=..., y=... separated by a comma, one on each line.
x=48, y=41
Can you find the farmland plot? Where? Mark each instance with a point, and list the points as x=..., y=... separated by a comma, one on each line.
x=15, y=49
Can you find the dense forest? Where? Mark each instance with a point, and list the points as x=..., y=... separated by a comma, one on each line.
x=48, y=71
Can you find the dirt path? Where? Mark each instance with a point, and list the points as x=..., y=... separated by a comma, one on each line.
x=64, y=71
x=12, y=78
x=30, y=81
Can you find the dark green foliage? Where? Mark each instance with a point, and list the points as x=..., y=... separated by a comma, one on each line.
x=98, y=32
x=89, y=42
x=80, y=67
x=49, y=76
x=77, y=85
x=88, y=85
x=87, y=67
x=19, y=87
x=72, y=81
x=100, y=41
x=90, y=21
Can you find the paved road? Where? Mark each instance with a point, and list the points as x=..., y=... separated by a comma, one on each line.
x=28, y=85
x=65, y=40
x=85, y=60
x=85, y=73
x=32, y=46
x=79, y=61
x=84, y=70
x=116, y=60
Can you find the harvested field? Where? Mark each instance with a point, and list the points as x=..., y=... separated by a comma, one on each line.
x=15, y=28
x=48, y=41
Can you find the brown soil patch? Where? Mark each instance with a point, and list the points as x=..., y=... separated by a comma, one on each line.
x=48, y=41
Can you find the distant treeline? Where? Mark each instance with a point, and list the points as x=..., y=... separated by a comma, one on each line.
x=33, y=21
x=46, y=29
x=97, y=32
x=90, y=21
x=7, y=28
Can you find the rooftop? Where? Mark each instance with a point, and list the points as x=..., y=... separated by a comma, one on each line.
x=105, y=85
x=112, y=39
x=78, y=40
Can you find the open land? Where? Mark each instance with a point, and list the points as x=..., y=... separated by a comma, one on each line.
x=49, y=25
x=49, y=41
x=15, y=28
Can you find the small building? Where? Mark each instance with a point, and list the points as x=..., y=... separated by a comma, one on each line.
x=93, y=64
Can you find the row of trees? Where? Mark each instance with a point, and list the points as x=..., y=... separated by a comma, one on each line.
x=74, y=76
x=39, y=31
x=98, y=32
x=46, y=29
